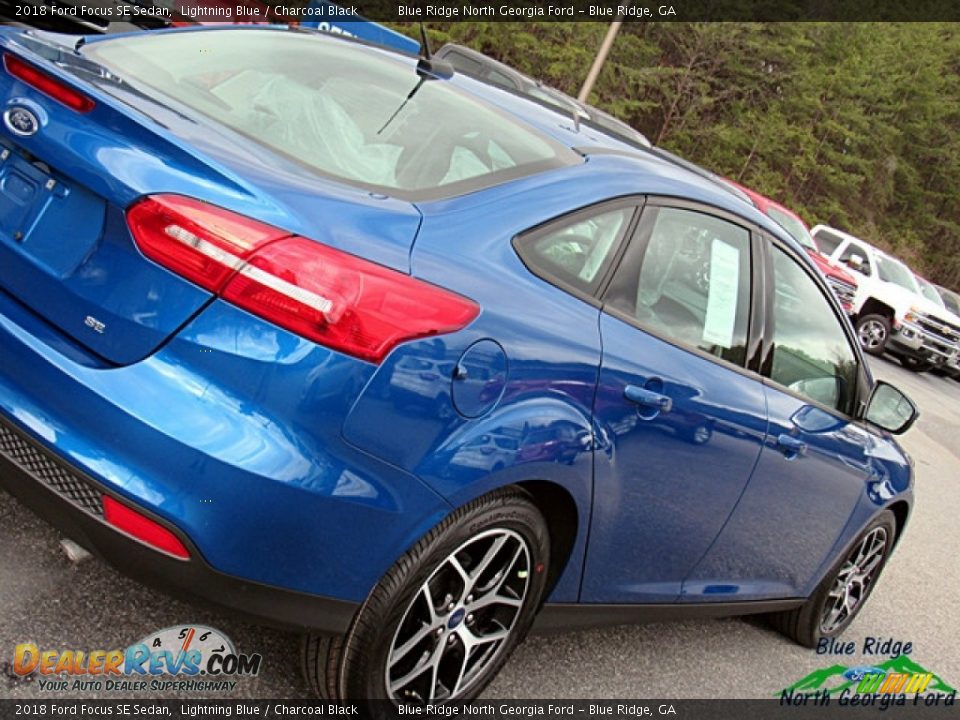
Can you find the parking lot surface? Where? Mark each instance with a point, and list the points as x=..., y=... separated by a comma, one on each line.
x=47, y=600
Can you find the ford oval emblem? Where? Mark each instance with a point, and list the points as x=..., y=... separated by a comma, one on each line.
x=21, y=121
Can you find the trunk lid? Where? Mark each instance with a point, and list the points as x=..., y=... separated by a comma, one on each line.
x=67, y=177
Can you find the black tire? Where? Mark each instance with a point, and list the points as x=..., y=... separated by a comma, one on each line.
x=804, y=625
x=873, y=331
x=912, y=363
x=354, y=667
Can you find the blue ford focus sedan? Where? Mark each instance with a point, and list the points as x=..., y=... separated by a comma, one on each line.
x=292, y=325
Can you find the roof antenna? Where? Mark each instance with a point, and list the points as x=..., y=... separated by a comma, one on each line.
x=424, y=42
x=427, y=67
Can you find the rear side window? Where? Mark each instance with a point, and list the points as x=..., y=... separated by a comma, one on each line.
x=690, y=282
x=341, y=109
x=576, y=253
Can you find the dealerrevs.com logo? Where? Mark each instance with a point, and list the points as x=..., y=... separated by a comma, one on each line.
x=181, y=658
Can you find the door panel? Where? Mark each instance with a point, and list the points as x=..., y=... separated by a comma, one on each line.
x=679, y=429
x=794, y=510
x=815, y=465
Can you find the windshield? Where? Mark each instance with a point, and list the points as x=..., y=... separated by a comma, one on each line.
x=341, y=109
x=897, y=273
x=929, y=292
x=793, y=226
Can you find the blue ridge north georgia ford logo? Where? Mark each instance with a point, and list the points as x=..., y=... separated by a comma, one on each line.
x=21, y=121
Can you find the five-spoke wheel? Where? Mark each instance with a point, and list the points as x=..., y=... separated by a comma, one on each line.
x=854, y=580
x=459, y=620
x=447, y=615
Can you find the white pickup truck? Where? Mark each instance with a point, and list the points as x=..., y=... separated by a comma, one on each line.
x=889, y=310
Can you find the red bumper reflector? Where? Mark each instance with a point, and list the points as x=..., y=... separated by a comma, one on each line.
x=143, y=528
x=47, y=84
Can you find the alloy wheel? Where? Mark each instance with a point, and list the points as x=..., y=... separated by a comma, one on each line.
x=872, y=334
x=854, y=581
x=460, y=619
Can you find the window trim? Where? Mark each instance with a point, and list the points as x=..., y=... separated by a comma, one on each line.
x=863, y=384
x=642, y=233
x=595, y=290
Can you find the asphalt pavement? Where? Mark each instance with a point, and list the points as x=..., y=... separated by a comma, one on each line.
x=46, y=599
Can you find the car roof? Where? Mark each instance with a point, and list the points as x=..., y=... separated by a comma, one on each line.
x=763, y=202
x=873, y=248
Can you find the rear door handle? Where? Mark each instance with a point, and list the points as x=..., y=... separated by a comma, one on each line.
x=791, y=445
x=642, y=396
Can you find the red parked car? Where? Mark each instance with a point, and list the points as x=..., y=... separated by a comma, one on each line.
x=841, y=282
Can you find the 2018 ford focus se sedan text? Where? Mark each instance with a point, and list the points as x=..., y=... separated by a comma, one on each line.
x=292, y=325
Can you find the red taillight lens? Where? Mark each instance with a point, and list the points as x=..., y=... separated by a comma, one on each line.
x=343, y=302
x=201, y=242
x=328, y=296
x=143, y=528
x=47, y=84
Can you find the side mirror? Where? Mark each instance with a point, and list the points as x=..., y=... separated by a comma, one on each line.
x=855, y=262
x=891, y=410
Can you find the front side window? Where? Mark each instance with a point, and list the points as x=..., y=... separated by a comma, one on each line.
x=690, y=282
x=576, y=254
x=855, y=256
x=338, y=108
x=811, y=353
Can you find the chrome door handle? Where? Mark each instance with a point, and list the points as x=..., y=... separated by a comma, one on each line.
x=642, y=396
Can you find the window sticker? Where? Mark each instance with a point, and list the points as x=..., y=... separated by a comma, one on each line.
x=718, y=326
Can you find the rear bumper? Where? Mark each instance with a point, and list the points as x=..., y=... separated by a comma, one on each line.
x=68, y=500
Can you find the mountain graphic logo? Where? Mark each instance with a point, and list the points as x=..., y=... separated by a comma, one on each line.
x=837, y=678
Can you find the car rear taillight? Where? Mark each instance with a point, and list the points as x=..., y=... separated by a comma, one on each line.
x=47, y=84
x=142, y=528
x=325, y=295
x=201, y=242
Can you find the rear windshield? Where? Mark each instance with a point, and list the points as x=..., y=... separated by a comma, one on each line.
x=342, y=109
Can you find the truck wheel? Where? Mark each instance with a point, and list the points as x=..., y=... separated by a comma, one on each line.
x=873, y=332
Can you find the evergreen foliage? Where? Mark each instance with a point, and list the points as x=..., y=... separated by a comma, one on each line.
x=855, y=125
